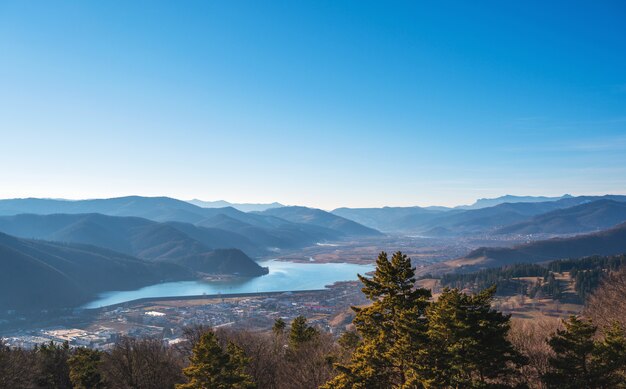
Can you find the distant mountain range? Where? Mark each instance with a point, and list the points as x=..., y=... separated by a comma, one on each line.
x=500, y=218
x=178, y=243
x=59, y=253
x=263, y=231
x=608, y=242
x=484, y=203
x=245, y=207
x=37, y=274
x=323, y=219
x=596, y=215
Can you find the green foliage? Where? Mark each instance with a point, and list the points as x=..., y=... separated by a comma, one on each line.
x=300, y=332
x=392, y=329
x=468, y=339
x=503, y=277
x=349, y=340
x=52, y=367
x=582, y=362
x=409, y=342
x=84, y=369
x=279, y=326
x=212, y=367
x=587, y=273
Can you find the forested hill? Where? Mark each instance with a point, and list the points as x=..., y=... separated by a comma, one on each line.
x=43, y=275
x=609, y=242
x=141, y=238
x=531, y=278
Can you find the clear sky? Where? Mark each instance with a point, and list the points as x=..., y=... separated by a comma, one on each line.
x=319, y=103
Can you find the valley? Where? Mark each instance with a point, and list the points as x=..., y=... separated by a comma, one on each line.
x=183, y=254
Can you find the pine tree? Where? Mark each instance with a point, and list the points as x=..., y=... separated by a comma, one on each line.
x=392, y=329
x=300, y=332
x=349, y=340
x=468, y=339
x=52, y=367
x=84, y=369
x=573, y=347
x=582, y=362
x=609, y=358
x=279, y=326
x=212, y=367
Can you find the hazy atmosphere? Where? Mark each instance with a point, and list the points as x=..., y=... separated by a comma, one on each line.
x=323, y=103
x=312, y=194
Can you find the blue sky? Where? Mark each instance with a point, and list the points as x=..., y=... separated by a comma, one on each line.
x=319, y=103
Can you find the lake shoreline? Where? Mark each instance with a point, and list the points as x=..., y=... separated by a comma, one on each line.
x=282, y=276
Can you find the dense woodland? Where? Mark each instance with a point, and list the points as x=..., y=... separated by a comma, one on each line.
x=403, y=339
x=586, y=273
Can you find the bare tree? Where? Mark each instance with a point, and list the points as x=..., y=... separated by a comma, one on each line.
x=266, y=353
x=310, y=365
x=142, y=364
x=529, y=337
x=607, y=304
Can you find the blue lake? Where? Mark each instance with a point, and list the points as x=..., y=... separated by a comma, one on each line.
x=283, y=276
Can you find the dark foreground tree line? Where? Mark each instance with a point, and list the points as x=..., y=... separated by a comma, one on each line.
x=403, y=339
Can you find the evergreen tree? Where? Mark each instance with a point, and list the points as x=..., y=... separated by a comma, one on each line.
x=581, y=362
x=469, y=345
x=279, y=326
x=349, y=340
x=212, y=367
x=300, y=332
x=84, y=369
x=610, y=358
x=392, y=329
x=52, y=368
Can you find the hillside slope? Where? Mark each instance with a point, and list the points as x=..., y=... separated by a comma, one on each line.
x=387, y=219
x=265, y=231
x=37, y=274
x=455, y=222
x=133, y=236
x=593, y=216
x=317, y=217
x=609, y=242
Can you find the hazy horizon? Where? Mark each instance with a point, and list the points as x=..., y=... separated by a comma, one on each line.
x=417, y=203
x=322, y=103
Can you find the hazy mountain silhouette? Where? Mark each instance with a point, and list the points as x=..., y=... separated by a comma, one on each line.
x=608, y=242
x=263, y=230
x=463, y=221
x=386, y=219
x=153, y=208
x=38, y=274
x=597, y=215
x=317, y=217
x=484, y=203
x=244, y=207
x=134, y=236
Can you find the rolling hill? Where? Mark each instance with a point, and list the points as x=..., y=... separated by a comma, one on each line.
x=608, y=242
x=141, y=238
x=387, y=219
x=484, y=203
x=263, y=230
x=317, y=217
x=244, y=207
x=153, y=208
x=458, y=221
x=587, y=217
x=38, y=274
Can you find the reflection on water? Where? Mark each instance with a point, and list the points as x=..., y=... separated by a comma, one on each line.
x=283, y=276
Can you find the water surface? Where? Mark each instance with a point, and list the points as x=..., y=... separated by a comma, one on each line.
x=283, y=276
